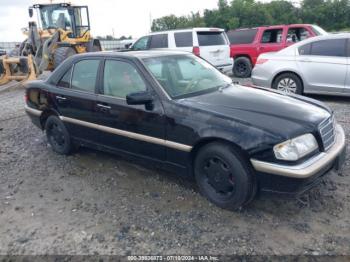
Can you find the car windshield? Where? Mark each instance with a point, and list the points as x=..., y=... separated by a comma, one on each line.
x=318, y=30
x=55, y=17
x=186, y=75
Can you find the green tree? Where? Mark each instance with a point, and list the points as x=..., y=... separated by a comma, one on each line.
x=329, y=14
x=171, y=22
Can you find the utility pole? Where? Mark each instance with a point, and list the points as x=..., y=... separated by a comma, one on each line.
x=150, y=22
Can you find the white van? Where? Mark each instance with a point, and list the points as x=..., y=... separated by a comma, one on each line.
x=212, y=44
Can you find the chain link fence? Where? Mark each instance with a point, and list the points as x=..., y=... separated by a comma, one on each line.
x=106, y=44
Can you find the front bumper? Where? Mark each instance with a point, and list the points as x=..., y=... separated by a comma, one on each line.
x=309, y=167
x=34, y=115
x=261, y=77
x=261, y=82
x=299, y=178
x=226, y=69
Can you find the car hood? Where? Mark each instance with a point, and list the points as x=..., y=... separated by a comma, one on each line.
x=283, y=115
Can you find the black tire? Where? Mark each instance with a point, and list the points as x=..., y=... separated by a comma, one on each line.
x=223, y=176
x=58, y=136
x=286, y=79
x=61, y=54
x=242, y=67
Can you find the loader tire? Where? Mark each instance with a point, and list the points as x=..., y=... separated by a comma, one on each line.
x=61, y=54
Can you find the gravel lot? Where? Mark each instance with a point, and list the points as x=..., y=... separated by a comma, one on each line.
x=97, y=203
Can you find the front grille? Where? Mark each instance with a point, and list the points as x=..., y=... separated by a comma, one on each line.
x=327, y=132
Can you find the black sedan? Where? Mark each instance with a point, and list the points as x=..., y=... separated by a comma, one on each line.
x=175, y=111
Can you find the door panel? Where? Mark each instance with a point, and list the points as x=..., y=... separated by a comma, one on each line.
x=324, y=65
x=74, y=106
x=136, y=129
x=75, y=98
x=323, y=74
x=121, y=125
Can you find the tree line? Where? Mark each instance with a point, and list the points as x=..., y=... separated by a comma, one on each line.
x=332, y=15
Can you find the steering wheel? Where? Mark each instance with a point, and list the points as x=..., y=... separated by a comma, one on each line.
x=191, y=85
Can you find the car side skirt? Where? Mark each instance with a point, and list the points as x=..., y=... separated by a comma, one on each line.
x=132, y=135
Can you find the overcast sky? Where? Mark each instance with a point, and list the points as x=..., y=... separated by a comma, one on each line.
x=125, y=17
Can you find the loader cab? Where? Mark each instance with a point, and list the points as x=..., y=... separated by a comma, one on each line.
x=64, y=16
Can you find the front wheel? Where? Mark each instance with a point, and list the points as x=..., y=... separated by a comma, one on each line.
x=58, y=136
x=224, y=176
x=288, y=83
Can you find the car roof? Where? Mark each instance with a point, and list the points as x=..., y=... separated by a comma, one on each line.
x=322, y=37
x=290, y=50
x=134, y=54
x=271, y=26
x=195, y=29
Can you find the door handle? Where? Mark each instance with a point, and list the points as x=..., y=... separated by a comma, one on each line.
x=305, y=60
x=103, y=106
x=61, y=98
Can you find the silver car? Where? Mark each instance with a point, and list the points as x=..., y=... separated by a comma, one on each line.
x=319, y=65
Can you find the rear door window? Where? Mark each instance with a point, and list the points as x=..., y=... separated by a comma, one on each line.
x=159, y=41
x=272, y=36
x=211, y=38
x=304, y=49
x=85, y=75
x=242, y=36
x=330, y=47
x=184, y=39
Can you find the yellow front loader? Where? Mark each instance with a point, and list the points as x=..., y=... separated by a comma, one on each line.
x=61, y=30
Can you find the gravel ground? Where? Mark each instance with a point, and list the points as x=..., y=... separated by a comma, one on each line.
x=97, y=203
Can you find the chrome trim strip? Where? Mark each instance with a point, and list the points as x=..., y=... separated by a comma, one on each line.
x=32, y=111
x=131, y=135
x=308, y=168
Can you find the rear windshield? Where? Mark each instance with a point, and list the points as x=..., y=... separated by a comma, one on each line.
x=242, y=36
x=211, y=38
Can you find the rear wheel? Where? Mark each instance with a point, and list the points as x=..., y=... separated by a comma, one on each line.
x=58, y=136
x=224, y=176
x=61, y=54
x=242, y=67
x=288, y=83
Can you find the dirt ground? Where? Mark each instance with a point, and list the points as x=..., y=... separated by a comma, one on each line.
x=96, y=203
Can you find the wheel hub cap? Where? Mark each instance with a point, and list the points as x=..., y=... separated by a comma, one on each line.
x=219, y=176
x=57, y=135
x=287, y=85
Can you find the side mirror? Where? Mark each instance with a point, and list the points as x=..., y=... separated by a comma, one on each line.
x=139, y=98
x=30, y=12
x=128, y=46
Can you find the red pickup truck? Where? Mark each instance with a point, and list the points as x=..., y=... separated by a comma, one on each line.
x=247, y=44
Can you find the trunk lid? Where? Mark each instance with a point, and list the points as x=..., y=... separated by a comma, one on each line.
x=214, y=46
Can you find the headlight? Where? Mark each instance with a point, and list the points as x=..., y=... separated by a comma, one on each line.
x=296, y=148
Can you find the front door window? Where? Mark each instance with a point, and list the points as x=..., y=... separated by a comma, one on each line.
x=120, y=79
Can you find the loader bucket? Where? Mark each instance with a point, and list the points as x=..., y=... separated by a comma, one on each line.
x=17, y=69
